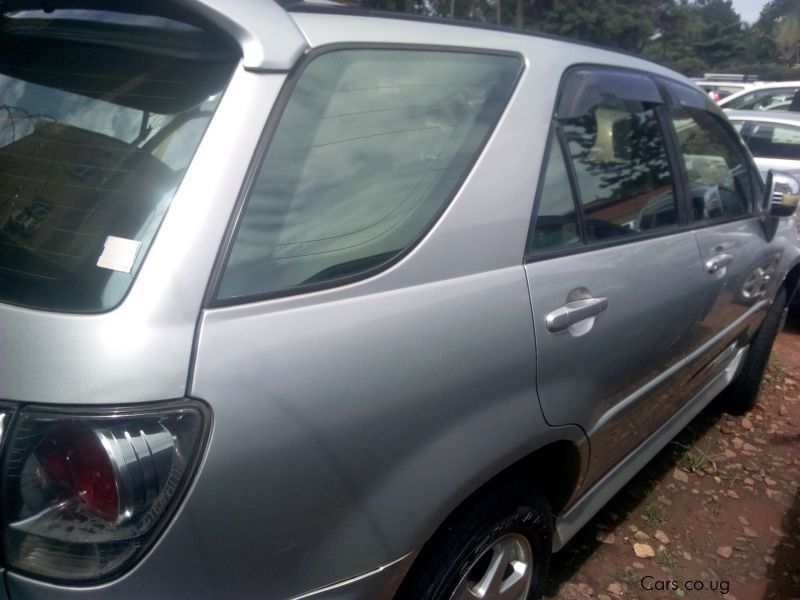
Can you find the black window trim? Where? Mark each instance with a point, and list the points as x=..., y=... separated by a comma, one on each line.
x=211, y=299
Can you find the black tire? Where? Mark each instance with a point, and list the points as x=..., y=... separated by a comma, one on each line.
x=474, y=535
x=741, y=395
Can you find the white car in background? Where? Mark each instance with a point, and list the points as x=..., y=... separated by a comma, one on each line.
x=773, y=138
x=721, y=90
x=772, y=96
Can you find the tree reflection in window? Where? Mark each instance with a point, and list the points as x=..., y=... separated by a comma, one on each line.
x=622, y=171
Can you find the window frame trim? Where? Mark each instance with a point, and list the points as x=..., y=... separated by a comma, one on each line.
x=211, y=297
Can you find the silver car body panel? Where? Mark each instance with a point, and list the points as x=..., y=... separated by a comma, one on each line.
x=394, y=414
x=365, y=412
x=379, y=583
x=266, y=34
x=621, y=394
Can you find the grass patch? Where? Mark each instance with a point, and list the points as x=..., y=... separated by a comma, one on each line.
x=732, y=477
x=775, y=374
x=655, y=513
x=695, y=458
x=629, y=578
x=667, y=558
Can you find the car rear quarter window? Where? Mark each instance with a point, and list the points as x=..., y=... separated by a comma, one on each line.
x=717, y=169
x=368, y=151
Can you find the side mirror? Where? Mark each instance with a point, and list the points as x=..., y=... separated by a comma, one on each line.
x=781, y=195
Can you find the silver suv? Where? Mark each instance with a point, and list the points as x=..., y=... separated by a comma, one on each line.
x=313, y=303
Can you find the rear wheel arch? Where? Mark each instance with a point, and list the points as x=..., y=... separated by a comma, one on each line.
x=553, y=473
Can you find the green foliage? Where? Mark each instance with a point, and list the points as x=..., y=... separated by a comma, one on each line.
x=618, y=23
x=691, y=36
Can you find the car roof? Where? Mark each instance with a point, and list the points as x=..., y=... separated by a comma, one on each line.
x=766, y=116
x=741, y=84
x=761, y=85
x=776, y=84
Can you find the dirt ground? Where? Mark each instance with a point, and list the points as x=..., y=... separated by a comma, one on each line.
x=715, y=515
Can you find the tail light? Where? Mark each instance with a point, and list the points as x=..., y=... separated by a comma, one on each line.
x=85, y=494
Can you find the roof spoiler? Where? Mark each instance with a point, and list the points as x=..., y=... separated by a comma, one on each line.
x=267, y=36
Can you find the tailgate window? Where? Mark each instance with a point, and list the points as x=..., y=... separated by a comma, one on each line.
x=100, y=115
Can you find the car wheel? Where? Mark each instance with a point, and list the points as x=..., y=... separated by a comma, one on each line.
x=495, y=547
x=742, y=393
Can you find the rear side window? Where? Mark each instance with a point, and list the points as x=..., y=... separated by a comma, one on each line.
x=99, y=119
x=621, y=167
x=370, y=148
x=717, y=170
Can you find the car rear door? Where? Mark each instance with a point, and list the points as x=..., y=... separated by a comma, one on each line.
x=738, y=256
x=615, y=280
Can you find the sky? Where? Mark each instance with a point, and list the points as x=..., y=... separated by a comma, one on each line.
x=749, y=9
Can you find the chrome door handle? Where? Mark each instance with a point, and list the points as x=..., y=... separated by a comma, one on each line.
x=573, y=312
x=719, y=261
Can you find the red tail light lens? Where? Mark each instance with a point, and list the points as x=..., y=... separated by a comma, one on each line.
x=85, y=495
x=73, y=456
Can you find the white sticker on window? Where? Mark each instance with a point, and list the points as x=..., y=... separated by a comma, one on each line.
x=118, y=254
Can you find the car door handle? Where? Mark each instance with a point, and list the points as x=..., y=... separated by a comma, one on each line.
x=719, y=261
x=572, y=312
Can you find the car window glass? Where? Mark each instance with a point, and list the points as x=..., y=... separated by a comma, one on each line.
x=556, y=220
x=620, y=161
x=98, y=124
x=767, y=140
x=771, y=99
x=717, y=170
x=369, y=149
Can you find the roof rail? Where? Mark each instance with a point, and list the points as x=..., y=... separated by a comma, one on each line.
x=267, y=36
x=729, y=77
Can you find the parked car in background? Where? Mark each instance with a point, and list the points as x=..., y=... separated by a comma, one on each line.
x=775, y=95
x=719, y=86
x=315, y=303
x=719, y=90
x=773, y=138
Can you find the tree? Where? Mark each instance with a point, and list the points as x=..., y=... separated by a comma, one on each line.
x=691, y=36
x=779, y=22
x=721, y=41
x=787, y=37
x=616, y=23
